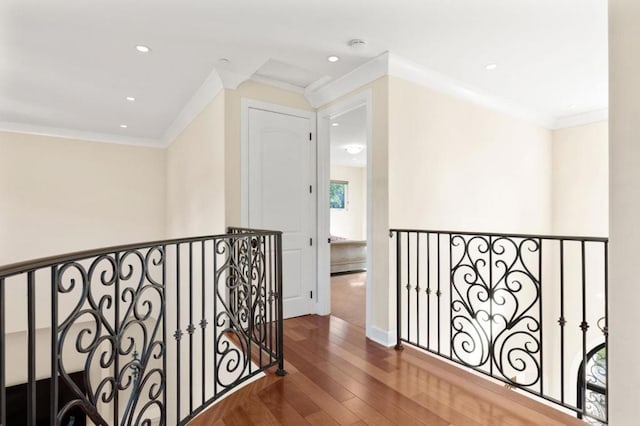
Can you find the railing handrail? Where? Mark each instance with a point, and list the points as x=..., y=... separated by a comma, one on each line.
x=212, y=305
x=509, y=235
x=466, y=295
x=45, y=262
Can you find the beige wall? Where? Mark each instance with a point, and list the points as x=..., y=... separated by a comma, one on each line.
x=624, y=187
x=196, y=175
x=581, y=180
x=257, y=91
x=465, y=166
x=60, y=195
x=351, y=222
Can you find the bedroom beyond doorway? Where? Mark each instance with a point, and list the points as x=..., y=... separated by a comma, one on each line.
x=348, y=215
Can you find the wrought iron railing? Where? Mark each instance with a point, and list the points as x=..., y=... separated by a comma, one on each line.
x=140, y=334
x=527, y=310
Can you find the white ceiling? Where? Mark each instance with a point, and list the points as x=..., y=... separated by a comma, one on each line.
x=351, y=130
x=69, y=64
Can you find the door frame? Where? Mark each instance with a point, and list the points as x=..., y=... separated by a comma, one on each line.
x=360, y=99
x=245, y=105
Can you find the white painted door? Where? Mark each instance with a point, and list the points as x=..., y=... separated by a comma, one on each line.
x=281, y=173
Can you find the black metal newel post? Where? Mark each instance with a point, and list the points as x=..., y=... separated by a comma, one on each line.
x=216, y=278
x=562, y=321
x=540, y=311
x=177, y=335
x=584, y=326
x=3, y=348
x=203, y=321
x=116, y=361
x=31, y=348
x=53, y=390
x=190, y=327
x=398, y=346
x=249, y=285
x=491, y=303
x=606, y=322
x=165, y=342
x=280, y=371
x=418, y=288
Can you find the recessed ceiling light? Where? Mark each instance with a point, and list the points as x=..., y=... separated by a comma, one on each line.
x=224, y=60
x=354, y=149
x=335, y=124
x=142, y=48
x=333, y=58
x=123, y=126
x=130, y=98
x=491, y=67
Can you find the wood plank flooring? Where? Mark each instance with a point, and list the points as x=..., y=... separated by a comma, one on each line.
x=348, y=296
x=338, y=377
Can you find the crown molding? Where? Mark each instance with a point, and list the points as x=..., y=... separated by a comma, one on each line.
x=57, y=132
x=322, y=92
x=393, y=65
x=407, y=70
x=581, y=119
x=364, y=74
x=230, y=79
x=198, y=102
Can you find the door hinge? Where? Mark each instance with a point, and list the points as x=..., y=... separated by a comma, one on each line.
x=311, y=294
x=310, y=241
x=310, y=136
x=310, y=189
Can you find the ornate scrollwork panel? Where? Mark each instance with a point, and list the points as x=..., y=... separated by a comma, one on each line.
x=494, y=303
x=115, y=327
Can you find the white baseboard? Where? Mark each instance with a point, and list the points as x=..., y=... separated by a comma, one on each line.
x=384, y=337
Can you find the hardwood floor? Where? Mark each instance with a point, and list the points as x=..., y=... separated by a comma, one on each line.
x=337, y=376
x=348, y=297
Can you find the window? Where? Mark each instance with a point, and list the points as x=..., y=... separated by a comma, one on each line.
x=338, y=194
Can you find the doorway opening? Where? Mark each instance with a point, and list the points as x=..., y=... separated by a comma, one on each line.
x=348, y=214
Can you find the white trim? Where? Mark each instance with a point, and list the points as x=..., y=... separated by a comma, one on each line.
x=79, y=135
x=363, y=98
x=415, y=73
x=206, y=93
x=323, y=157
x=231, y=80
x=279, y=84
x=581, y=119
x=384, y=337
x=366, y=73
x=396, y=66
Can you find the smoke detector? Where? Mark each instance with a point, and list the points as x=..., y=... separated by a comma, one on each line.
x=357, y=43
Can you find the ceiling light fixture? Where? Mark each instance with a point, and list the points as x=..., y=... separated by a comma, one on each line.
x=123, y=126
x=224, y=60
x=335, y=124
x=333, y=58
x=142, y=48
x=130, y=99
x=572, y=106
x=354, y=149
x=491, y=67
